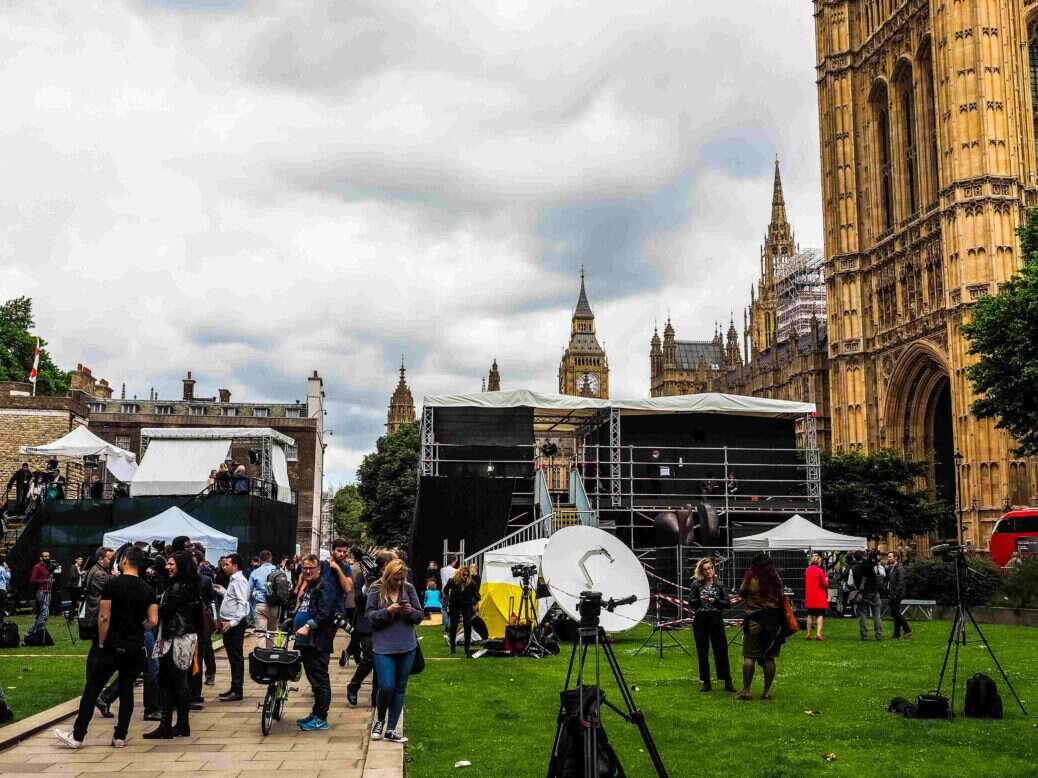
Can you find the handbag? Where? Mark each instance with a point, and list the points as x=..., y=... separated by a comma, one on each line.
x=419, y=661
x=789, y=617
x=932, y=705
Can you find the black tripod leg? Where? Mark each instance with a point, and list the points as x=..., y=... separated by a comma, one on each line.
x=633, y=713
x=952, y=636
x=994, y=659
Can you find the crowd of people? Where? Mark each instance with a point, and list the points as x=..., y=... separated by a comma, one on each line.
x=229, y=478
x=151, y=612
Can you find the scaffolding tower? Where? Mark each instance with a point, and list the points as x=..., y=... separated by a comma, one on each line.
x=800, y=293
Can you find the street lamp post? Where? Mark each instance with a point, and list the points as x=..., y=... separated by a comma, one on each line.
x=958, y=457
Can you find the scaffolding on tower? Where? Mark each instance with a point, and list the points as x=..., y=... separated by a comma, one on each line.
x=800, y=292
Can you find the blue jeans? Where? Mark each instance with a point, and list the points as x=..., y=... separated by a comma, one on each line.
x=392, y=671
x=42, y=611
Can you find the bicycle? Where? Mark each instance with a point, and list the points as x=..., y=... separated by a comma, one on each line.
x=274, y=667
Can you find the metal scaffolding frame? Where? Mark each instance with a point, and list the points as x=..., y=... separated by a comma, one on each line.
x=615, y=487
x=428, y=443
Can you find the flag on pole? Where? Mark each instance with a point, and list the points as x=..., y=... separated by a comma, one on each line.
x=35, y=367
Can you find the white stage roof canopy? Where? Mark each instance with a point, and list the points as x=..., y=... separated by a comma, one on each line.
x=81, y=442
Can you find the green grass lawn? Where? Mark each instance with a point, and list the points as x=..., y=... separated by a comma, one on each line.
x=829, y=697
x=38, y=678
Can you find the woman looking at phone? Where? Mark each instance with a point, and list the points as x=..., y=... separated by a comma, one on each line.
x=393, y=608
x=709, y=598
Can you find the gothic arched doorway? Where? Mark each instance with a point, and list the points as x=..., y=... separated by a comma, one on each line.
x=919, y=421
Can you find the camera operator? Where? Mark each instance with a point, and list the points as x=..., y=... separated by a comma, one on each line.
x=233, y=610
x=363, y=580
x=42, y=577
x=462, y=597
x=127, y=607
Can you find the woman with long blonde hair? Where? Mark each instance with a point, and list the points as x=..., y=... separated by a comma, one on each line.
x=461, y=594
x=394, y=610
x=709, y=598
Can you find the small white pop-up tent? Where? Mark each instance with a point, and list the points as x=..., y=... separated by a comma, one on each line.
x=799, y=533
x=81, y=442
x=169, y=524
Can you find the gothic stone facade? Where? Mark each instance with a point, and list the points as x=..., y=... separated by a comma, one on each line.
x=928, y=163
x=584, y=369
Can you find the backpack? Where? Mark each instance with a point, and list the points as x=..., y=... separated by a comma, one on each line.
x=9, y=634
x=568, y=759
x=6, y=714
x=279, y=588
x=40, y=637
x=982, y=700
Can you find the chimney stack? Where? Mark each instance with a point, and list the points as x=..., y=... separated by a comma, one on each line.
x=189, y=387
x=225, y=395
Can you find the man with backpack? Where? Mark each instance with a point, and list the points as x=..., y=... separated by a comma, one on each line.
x=267, y=613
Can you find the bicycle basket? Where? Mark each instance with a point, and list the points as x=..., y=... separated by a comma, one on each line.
x=270, y=665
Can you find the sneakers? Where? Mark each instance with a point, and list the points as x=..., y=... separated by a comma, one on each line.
x=66, y=737
x=376, y=730
x=118, y=742
x=394, y=737
x=301, y=722
x=314, y=725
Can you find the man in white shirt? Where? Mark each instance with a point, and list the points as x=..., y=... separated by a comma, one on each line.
x=233, y=610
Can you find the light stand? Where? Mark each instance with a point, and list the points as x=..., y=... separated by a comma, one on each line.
x=957, y=635
x=591, y=637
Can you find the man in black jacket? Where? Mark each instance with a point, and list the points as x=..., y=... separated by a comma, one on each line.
x=896, y=588
x=315, y=633
x=20, y=481
x=867, y=581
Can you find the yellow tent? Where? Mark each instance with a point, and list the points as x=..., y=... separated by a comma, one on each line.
x=500, y=592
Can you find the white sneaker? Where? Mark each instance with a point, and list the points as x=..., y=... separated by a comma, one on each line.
x=376, y=730
x=117, y=743
x=66, y=737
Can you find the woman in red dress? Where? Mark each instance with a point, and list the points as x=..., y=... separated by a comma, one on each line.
x=816, y=595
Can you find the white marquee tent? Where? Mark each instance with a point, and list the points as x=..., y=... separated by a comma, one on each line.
x=799, y=533
x=169, y=524
x=81, y=442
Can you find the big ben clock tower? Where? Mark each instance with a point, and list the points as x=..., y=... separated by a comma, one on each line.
x=584, y=369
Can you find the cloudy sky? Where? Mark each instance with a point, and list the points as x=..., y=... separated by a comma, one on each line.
x=253, y=190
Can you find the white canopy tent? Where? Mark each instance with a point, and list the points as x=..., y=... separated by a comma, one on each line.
x=81, y=442
x=178, y=460
x=799, y=533
x=168, y=525
x=501, y=591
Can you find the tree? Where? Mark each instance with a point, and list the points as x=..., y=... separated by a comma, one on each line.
x=18, y=346
x=388, y=484
x=348, y=509
x=1003, y=333
x=876, y=493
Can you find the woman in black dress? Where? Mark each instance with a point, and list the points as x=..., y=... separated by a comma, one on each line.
x=709, y=599
x=180, y=619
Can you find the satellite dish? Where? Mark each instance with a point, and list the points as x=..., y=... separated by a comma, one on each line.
x=579, y=559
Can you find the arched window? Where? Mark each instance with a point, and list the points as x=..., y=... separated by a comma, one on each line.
x=881, y=120
x=1032, y=48
x=906, y=104
x=928, y=130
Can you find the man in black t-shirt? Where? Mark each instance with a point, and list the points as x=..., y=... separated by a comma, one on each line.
x=127, y=608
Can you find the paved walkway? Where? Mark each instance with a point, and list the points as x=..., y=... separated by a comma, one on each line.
x=225, y=740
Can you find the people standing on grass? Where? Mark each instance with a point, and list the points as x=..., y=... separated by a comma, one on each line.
x=126, y=609
x=709, y=598
x=314, y=627
x=462, y=596
x=761, y=591
x=232, y=621
x=394, y=610
x=180, y=613
x=816, y=596
x=896, y=589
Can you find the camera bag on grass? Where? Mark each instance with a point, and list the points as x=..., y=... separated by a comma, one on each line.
x=9, y=635
x=982, y=699
x=40, y=637
x=932, y=705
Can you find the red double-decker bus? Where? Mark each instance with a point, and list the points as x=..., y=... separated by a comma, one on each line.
x=1015, y=531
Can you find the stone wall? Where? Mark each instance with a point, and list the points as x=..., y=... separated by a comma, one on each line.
x=32, y=421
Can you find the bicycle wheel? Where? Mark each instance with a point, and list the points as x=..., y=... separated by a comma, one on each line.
x=267, y=714
x=279, y=709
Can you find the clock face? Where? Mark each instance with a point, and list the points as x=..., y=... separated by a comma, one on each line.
x=591, y=379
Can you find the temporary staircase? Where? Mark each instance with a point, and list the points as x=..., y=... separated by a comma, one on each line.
x=554, y=512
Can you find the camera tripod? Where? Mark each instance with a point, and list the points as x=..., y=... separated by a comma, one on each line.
x=957, y=636
x=591, y=637
x=527, y=614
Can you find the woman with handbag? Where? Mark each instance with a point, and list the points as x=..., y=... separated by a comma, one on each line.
x=816, y=595
x=709, y=598
x=180, y=618
x=764, y=626
x=394, y=610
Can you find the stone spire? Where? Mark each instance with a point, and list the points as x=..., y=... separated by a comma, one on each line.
x=401, y=404
x=732, y=357
x=778, y=202
x=779, y=241
x=494, y=378
x=655, y=354
x=583, y=309
x=670, y=349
